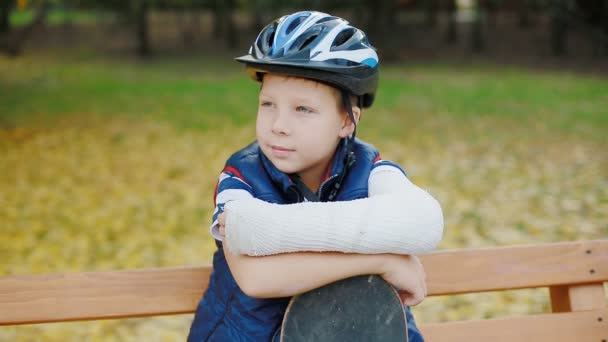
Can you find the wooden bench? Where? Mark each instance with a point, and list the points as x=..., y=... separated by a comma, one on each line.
x=574, y=272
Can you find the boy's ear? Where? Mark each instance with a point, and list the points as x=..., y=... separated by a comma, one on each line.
x=348, y=127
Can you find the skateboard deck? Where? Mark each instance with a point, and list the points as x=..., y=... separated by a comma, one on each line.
x=362, y=308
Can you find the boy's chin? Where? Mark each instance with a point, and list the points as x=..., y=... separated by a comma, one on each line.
x=284, y=165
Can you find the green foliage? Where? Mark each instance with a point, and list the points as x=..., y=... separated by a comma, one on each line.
x=60, y=16
x=112, y=164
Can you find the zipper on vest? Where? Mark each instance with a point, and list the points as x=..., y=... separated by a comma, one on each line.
x=322, y=187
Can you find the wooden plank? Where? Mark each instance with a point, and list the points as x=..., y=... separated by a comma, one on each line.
x=137, y=293
x=96, y=295
x=500, y=268
x=587, y=297
x=567, y=327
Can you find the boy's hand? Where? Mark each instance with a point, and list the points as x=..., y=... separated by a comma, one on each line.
x=221, y=219
x=407, y=274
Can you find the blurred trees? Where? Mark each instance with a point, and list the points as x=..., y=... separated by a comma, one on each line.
x=385, y=21
x=12, y=41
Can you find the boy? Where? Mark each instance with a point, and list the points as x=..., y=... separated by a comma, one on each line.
x=307, y=203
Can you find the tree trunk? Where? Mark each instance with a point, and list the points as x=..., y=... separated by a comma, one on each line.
x=372, y=17
x=381, y=20
x=218, y=19
x=142, y=28
x=382, y=27
x=430, y=9
x=559, y=29
x=360, y=18
x=452, y=33
x=256, y=13
x=491, y=13
x=477, y=42
x=5, y=14
x=523, y=11
x=67, y=26
x=196, y=24
x=604, y=30
x=231, y=32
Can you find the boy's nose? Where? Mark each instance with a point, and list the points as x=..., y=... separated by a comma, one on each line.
x=280, y=125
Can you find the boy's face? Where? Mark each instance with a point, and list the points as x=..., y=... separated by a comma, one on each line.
x=299, y=125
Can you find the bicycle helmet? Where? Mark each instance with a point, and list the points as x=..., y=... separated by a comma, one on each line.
x=320, y=47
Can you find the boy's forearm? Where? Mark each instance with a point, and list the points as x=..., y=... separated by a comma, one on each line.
x=402, y=224
x=289, y=274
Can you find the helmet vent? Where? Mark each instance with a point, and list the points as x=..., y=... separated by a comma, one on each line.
x=294, y=24
x=307, y=42
x=265, y=40
x=322, y=20
x=343, y=37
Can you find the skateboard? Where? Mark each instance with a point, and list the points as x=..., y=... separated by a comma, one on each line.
x=361, y=308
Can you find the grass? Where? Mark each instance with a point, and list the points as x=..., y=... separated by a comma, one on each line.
x=494, y=91
x=178, y=91
x=110, y=164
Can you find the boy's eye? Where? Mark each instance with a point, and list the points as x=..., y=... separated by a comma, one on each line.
x=265, y=104
x=304, y=109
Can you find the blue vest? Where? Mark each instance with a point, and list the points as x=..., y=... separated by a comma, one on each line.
x=225, y=313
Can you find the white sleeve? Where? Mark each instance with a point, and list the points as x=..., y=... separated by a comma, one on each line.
x=230, y=187
x=398, y=217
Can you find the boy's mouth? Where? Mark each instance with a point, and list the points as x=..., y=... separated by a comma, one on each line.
x=280, y=151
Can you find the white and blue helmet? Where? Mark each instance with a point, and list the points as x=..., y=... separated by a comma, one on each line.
x=317, y=46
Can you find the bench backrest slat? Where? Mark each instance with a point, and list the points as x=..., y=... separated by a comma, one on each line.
x=147, y=292
x=96, y=295
x=566, y=327
x=500, y=268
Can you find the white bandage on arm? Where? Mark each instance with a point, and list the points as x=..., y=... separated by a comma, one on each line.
x=223, y=197
x=398, y=217
x=230, y=187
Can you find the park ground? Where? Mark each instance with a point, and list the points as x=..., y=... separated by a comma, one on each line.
x=110, y=163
